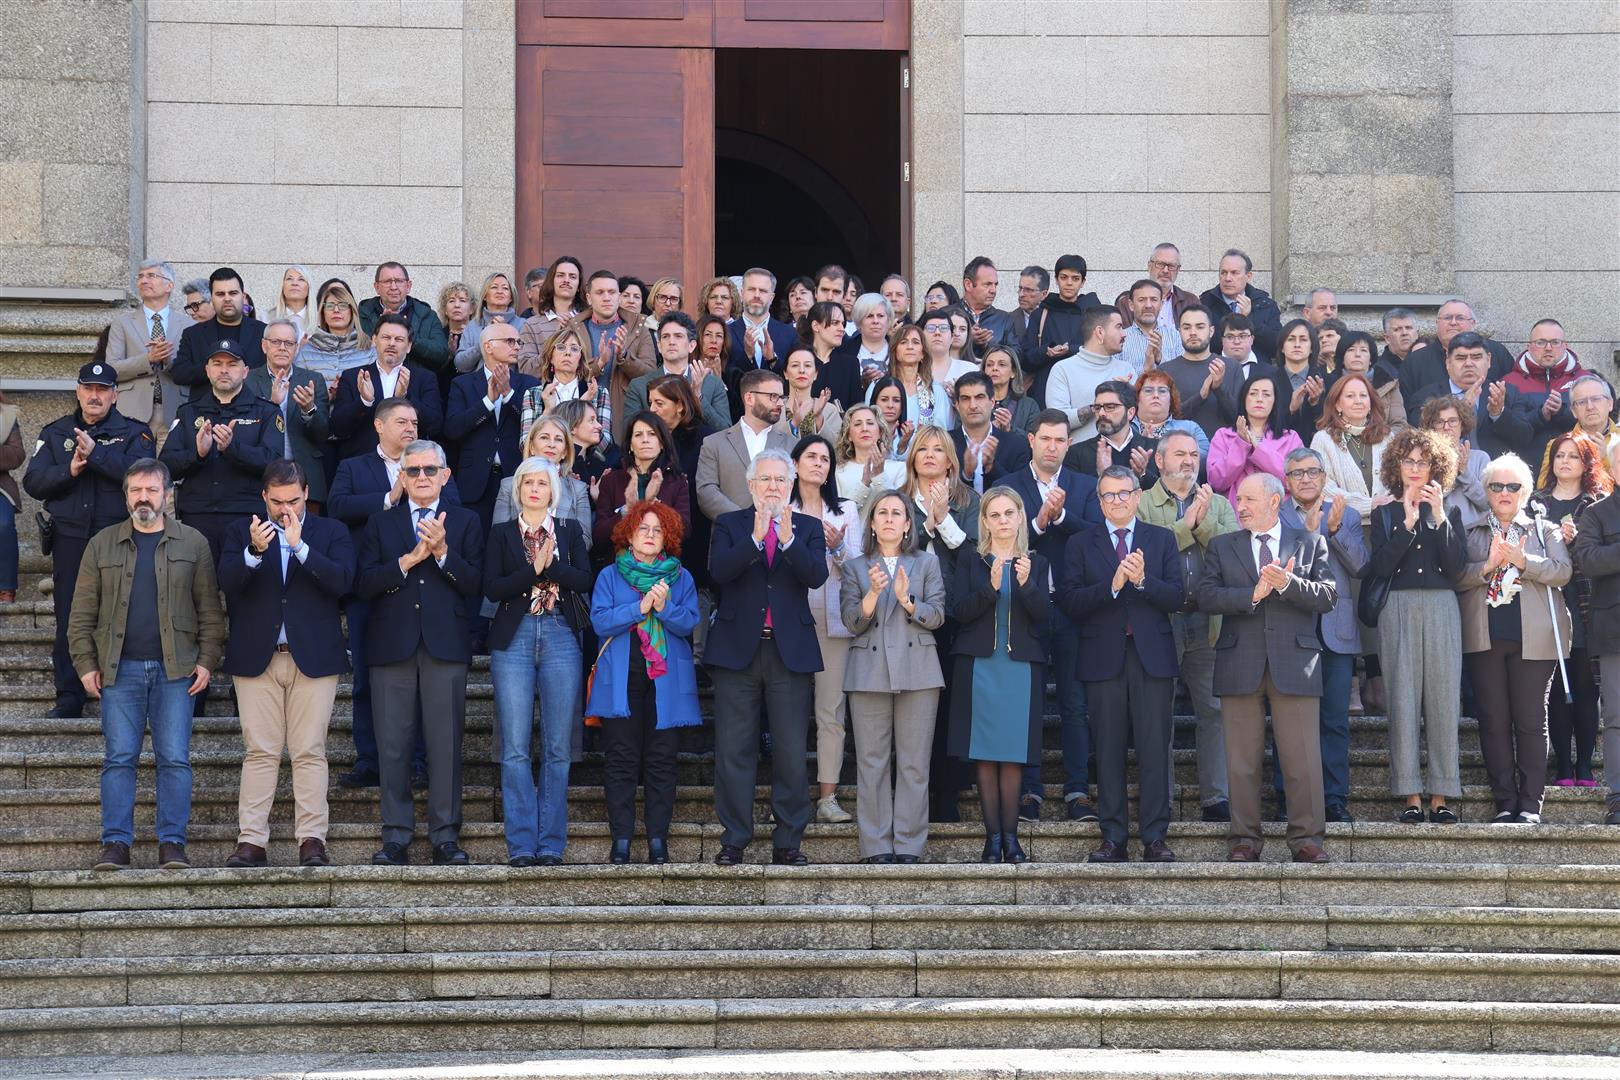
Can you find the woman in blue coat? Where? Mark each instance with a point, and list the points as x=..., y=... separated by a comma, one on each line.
x=644, y=608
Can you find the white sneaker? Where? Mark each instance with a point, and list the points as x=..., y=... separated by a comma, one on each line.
x=829, y=811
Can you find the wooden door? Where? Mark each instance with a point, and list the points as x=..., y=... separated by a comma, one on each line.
x=615, y=159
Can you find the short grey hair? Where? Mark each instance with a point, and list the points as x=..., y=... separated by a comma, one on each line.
x=159, y=265
x=771, y=453
x=196, y=287
x=1121, y=472
x=1398, y=313
x=1270, y=483
x=1591, y=377
x=1178, y=433
x=901, y=280
x=291, y=324
x=425, y=446
x=1514, y=466
x=536, y=465
x=760, y=271
x=1301, y=454
x=1319, y=290
x=1237, y=253
x=1043, y=280
x=866, y=303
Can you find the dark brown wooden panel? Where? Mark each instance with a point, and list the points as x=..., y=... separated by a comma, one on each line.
x=649, y=213
x=820, y=11
x=813, y=24
x=636, y=94
x=659, y=23
x=568, y=140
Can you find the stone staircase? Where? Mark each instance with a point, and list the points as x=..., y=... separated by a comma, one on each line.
x=1474, y=944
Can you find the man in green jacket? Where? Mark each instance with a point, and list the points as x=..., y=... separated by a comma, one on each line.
x=145, y=630
x=1196, y=515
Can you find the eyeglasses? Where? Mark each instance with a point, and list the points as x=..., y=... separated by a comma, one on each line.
x=1106, y=406
x=649, y=530
x=392, y=280
x=502, y=340
x=1160, y=264
x=1115, y=496
x=1238, y=335
x=1497, y=487
x=193, y=307
x=1581, y=403
x=1453, y=318
x=1414, y=463
x=421, y=470
x=1547, y=342
x=334, y=307
x=768, y=395
x=1307, y=473
x=1448, y=422
x=280, y=342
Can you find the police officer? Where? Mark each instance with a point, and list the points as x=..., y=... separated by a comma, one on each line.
x=77, y=471
x=218, y=446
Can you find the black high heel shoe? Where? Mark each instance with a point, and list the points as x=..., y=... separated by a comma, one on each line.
x=620, y=852
x=1010, y=851
x=657, y=849
x=992, y=849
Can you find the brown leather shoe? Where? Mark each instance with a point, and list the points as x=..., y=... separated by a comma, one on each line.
x=173, y=857
x=114, y=856
x=1243, y=853
x=248, y=855
x=312, y=852
x=1310, y=853
x=1158, y=851
x=1108, y=851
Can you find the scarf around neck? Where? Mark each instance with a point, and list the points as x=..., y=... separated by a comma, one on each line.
x=650, y=633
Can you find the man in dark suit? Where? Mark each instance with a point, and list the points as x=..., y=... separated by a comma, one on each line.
x=1597, y=553
x=483, y=418
x=1272, y=583
x=360, y=389
x=757, y=340
x=764, y=560
x=1121, y=583
x=1504, y=418
x=300, y=395
x=366, y=485
x=283, y=576
x=987, y=453
x=1426, y=363
x=1059, y=503
x=199, y=341
x=420, y=568
x=1115, y=406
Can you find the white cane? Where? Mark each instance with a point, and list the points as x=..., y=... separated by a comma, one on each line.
x=1552, y=613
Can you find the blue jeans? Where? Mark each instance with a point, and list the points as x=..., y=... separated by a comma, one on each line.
x=1071, y=701
x=144, y=695
x=1338, y=671
x=8, y=545
x=543, y=658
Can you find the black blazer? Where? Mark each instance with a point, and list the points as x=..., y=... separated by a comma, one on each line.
x=972, y=604
x=357, y=492
x=433, y=604
x=1012, y=454
x=307, y=601
x=473, y=427
x=747, y=584
x=1437, y=549
x=197, y=343
x=842, y=375
x=351, y=417
x=1086, y=593
x=1080, y=508
x=509, y=575
x=1597, y=555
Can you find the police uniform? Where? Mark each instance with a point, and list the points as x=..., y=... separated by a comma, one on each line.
x=216, y=489
x=81, y=506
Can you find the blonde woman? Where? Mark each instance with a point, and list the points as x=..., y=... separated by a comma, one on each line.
x=497, y=302
x=863, y=463
x=293, y=301
x=549, y=438
x=945, y=509
x=1000, y=605
x=565, y=375
x=337, y=343
x=665, y=296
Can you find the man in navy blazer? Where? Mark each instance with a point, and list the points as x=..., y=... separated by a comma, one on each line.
x=1058, y=502
x=484, y=418
x=420, y=568
x=283, y=576
x=764, y=560
x=757, y=340
x=360, y=390
x=1121, y=581
x=366, y=485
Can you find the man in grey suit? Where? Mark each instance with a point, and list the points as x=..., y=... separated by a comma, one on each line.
x=301, y=396
x=722, y=471
x=1271, y=582
x=677, y=344
x=141, y=346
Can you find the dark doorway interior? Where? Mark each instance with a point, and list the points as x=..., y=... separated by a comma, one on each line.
x=808, y=149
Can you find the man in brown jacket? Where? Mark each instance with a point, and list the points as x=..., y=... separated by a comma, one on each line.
x=145, y=630
x=616, y=351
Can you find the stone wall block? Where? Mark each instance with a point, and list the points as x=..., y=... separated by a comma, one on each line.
x=1329, y=215
x=995, y=150
x=181, y=149
x=1379, y=133
x=441, y=14
x=1411, y=215
x=1127, y=75
x=429, y=140
x=93, y=50
x=1086, y=153
x=1022, y=75
x=304, y=138
x=179, y=61
x=1552, y=73
x=1121, y=230
x=982, y=18
x=491, y=226
x=1570, y=152
x=273, y=223
x=87, y=205
x=1509, y=301
x=176, y=223
x=1360, y=52
x=275, y=65
x=1526, y=17
x=1238, y=220
x=399, y=67
x=1216, y=18
x=1537, y=231
x=347, y=13
x=1207, y=153
x=1085, y=18
x=86, y=122
x=22, y=203
x=1020, y=228
x=413, y=225
x=236, y=12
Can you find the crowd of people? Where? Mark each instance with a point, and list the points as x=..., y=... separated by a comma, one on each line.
x=854, y=516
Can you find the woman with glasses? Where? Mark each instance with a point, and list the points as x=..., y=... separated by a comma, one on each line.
x=1258, y=441
x=1516, y=628
x=338, y=343
x=1420, y=549
x=1450, y=418
x=566, y=375
x=1158, y=411
x=940, y=330
x=665, y=296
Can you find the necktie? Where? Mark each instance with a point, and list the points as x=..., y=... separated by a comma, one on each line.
x=157, y=327
x=157, y=335
x=1122, y=551
x=1265, y=550
x=770, y=559
x=421, y=515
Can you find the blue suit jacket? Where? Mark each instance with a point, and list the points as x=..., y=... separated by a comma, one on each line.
x=1087, y=594
x=747, y=585
x=351, y=417
x=432, y=605
x=783, y=338
x=473, y=427
x=358, y=489
x=1080, y=508
x=307, y=601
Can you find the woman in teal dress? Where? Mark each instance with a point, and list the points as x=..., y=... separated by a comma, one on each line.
x=1000, y=599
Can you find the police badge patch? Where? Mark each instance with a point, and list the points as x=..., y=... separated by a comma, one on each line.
x=281, y=424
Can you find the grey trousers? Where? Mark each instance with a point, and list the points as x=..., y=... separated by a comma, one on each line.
x=1420, y=651
x=894, y=740
x=1196, y=656
x=438, y=690
x=1609, y=673
x=786, y=696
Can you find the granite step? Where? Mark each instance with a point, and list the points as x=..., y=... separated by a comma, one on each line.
x=861, y=1023
x=71, y=846
x=561, y=975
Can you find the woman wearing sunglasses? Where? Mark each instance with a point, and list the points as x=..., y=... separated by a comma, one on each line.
x=1511, y=598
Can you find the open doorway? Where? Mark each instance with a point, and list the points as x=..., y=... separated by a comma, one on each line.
x=809, y=150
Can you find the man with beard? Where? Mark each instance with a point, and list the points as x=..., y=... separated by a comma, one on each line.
x=1116, y=441
x=757, y=340
x=1200, y=376
x=723, y=461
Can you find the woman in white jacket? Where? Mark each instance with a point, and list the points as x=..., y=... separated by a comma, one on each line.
x=1350, y=440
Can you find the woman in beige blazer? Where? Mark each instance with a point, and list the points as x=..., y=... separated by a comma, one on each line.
x=1510, y=597
x=892, y=598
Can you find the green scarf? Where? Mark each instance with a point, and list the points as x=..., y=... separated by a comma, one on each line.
x=650, y=631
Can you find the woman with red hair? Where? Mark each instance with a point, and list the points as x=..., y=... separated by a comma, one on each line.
x=1573, y=478
x=644, y=608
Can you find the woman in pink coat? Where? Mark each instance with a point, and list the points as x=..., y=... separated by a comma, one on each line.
x=1260, y=440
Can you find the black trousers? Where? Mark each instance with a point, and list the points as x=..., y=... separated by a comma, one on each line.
x=65, y=556
x=786, y=696
x=1579, y=719
x=637, y=752
x=1511, y=695
x=212, y=526
x=1133, y=708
